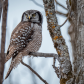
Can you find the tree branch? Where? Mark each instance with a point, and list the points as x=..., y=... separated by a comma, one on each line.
x=60, y=5
x=37, y=54
x=34, y=72
x=2, y=56
x=60, y=13
x=37, y=3
x=64, y=22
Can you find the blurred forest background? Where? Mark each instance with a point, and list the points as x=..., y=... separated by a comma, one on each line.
x=21, y=74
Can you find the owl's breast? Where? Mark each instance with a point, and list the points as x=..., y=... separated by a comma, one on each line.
x=35, y=44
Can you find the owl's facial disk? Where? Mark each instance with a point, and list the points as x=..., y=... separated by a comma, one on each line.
x=33, y=17
x=28, y=17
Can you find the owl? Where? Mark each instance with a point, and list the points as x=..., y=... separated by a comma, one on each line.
x=25, y=38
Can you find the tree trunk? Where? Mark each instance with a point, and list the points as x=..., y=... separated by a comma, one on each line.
x=2, y=55
x=76, y=31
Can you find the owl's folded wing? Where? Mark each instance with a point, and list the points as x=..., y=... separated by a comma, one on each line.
x=20, y=38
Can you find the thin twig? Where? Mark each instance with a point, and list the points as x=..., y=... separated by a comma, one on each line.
x=64, y=22
x=54, y=60
x=37, y=3
x=60, y=13
x=34, y=72
x=60, y=4
x=55, y=68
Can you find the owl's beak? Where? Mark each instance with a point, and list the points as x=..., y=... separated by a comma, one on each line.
x=29, y=17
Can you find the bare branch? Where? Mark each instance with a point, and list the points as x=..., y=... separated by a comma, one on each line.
x=34, y=72
x=2, y=56
x=37, y=54
x=37, y=3
x=54, y=59
x=60, y=13
x=60, y=5
x=64, y=22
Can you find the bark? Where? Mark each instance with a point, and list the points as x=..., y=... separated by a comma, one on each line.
x=76, y=31
x=79, y=44
x=0, y=8
x=2, y=56
x=64, y=72
x=60, y=13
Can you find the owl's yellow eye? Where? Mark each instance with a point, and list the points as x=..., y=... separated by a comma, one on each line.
x=33, y=15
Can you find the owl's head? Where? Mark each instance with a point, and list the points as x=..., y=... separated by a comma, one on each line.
x=32, y=16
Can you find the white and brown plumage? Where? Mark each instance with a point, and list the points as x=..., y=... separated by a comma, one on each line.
x=25, y=38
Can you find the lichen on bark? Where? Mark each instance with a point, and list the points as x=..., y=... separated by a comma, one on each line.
x=58, y=40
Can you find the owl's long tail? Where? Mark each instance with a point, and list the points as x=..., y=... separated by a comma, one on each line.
x=8, y=56
x=10, y=51
x=14, y=63
x=9, y=71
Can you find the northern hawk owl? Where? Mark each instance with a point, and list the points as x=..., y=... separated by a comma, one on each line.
x=25, y=38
